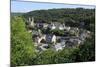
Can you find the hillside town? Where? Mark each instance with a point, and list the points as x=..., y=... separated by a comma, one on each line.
x=55, y=35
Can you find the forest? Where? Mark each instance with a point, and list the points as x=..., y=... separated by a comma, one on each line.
x=22, y=46
x=68, y=16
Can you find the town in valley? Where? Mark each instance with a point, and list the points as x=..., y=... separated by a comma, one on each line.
x=56, y=35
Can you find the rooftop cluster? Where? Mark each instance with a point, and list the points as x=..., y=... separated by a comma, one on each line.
x=56, y=35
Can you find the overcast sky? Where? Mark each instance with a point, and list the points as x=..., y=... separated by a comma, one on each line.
x=19, y=6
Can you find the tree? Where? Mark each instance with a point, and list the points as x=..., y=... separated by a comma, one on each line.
x=57, y=32
x=22, y=47
x=86, y=51
x=46, y=57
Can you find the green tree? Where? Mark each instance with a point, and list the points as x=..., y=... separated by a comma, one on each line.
x=86, y=51
x=57, y=32
x=46, y=57
x=22, y=47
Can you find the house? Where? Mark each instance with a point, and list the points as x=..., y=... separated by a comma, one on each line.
x=69, y=44
x=45, y=25
x=41, y=24
x=50, y=38
x=51, y=26
x=59, y=46
x=84, y=34
x=61, y=26
x=34, y=32
x=44, y=47
x=67, y=28
x=82, y=24
x=74, y=40
x=56, y=25
x=74, y=31
x=39, y=38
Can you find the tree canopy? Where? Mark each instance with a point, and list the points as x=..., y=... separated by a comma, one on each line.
x=22, y=47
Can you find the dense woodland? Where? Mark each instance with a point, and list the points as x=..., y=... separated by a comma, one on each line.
x=22, y=46
x=68, y=16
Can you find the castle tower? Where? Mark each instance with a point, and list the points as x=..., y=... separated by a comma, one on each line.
x=29, y=19
x=32, y=22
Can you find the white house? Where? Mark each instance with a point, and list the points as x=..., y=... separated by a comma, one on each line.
x=52, y=26
x=67, y=28
x=59, y=46
x=43, y=47
x=56, y=25
x=40, y=38
x=53, y=40
x=50, y=38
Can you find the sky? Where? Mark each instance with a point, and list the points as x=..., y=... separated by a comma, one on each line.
x=22, y=7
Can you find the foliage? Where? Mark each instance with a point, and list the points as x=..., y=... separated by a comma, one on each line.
x=46, y=57
x=22, y=47
x=52, y=57
x=87, y=51
x=57, y=32
x=67, y=16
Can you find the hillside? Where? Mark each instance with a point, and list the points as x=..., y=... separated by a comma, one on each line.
x=68, y=16
x=16, y=14
x=55, y=14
